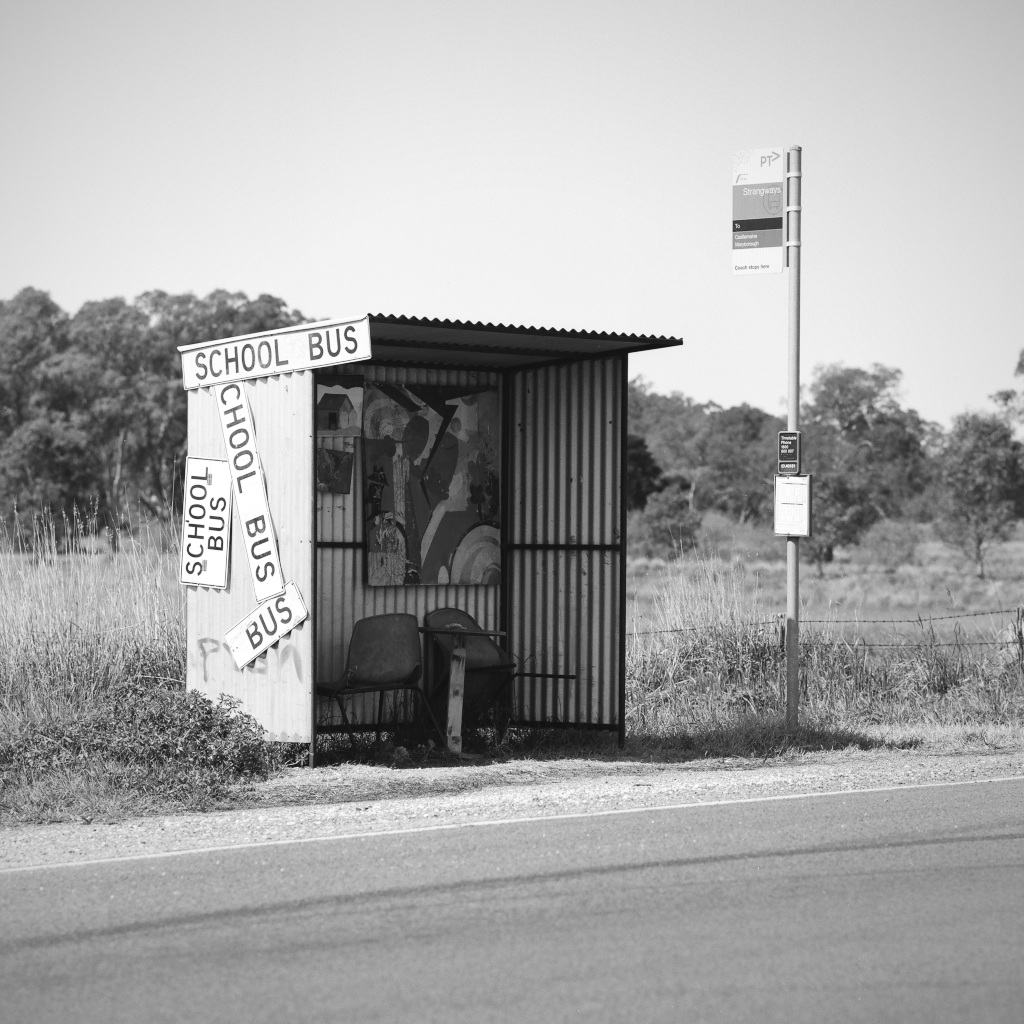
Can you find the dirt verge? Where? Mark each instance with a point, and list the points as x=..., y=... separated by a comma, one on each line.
x=300, y=804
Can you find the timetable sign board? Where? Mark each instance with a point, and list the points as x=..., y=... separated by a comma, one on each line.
x=758, y=210
x=793, y=506
x=789, y=452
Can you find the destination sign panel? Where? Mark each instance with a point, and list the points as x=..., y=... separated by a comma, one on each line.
x=758, y=211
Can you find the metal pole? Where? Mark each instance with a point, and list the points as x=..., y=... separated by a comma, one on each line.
x=623, y=362
x=313, y=575
x=793, y=543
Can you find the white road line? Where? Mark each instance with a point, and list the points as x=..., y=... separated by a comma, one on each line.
x=492, y=822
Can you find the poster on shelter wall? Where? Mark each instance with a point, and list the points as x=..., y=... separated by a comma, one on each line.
x=339, y=421
x=430, y=492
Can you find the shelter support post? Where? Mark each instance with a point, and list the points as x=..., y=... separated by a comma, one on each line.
x=623, y=459
x=456, y=688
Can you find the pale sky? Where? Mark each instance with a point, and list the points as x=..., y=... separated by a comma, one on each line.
x=559, y=164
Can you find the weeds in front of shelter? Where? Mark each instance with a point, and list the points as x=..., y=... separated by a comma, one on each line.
x=95, y=721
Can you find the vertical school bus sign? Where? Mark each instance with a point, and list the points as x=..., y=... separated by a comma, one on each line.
x=758, y=208
x=251, y=449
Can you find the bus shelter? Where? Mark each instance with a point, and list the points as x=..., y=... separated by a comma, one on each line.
x=388, y=464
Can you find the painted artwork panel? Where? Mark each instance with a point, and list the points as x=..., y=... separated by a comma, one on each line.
x=339, y=421
x=431, y=493
x=334, y=468
x=339, y=408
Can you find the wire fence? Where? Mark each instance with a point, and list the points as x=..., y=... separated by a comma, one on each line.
x=145, y=626
x=1013, y=628
x=776, y=622
x=919, y=618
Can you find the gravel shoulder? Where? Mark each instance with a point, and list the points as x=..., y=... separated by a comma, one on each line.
x=305, y=805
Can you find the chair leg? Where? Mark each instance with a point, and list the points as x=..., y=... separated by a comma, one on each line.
x=419, y=694
x=424, y=703
x=502, y=715
x=324, y=719
x=501, y=709
x=344, y=714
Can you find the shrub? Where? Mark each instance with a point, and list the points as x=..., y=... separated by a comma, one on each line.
x=890, y=543
x=142, y=740
x=666, y=527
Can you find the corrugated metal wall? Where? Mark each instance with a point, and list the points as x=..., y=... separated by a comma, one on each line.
x=343, y=595
x=564, y=543
x=277, y=687
x=562, y=549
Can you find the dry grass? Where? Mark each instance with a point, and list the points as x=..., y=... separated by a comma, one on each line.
x=81, y=620
x=935, y=580
x=706, y=657
x=94, y=719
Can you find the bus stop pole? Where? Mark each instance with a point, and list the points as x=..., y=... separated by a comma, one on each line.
x=793, y=543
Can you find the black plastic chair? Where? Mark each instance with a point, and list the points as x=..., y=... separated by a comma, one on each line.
x=489, y=669
x=384, y=655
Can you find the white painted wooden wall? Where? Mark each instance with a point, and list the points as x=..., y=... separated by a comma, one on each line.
x=277, y=688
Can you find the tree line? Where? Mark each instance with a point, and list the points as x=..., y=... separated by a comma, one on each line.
x=873, y=461
x=93, y=415
x=93, y=418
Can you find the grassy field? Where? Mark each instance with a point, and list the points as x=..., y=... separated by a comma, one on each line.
x=889, y=654
x=706, y=658
x=94, y=720
x=857, y=596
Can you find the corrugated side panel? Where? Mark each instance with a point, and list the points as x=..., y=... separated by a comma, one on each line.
x=343, y=595
x=277, y=688
x=564, y=542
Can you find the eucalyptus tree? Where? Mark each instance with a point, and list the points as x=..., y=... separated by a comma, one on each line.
x=982, y=485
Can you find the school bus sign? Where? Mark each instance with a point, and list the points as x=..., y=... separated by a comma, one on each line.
x=307, y=347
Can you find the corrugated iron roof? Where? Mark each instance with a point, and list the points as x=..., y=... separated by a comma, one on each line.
x=495, y=346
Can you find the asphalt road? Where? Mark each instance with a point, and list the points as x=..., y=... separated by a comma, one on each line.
x=905, y=905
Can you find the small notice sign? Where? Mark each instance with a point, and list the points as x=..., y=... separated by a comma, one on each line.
x=206, y=524
x=308, y=347
x=793, y=506
x=758, y=209
x=789, y=452
x=270, y=622
x=254, y=520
